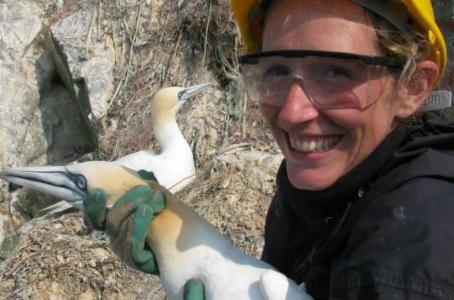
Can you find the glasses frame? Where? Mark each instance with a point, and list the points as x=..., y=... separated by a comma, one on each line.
x=393, y=64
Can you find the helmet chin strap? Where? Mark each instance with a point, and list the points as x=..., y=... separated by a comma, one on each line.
x=437, y=100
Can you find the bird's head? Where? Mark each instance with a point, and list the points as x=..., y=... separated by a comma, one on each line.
x=168, y=101
x=73, y=182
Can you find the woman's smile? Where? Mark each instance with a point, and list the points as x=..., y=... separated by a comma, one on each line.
x=313, y=144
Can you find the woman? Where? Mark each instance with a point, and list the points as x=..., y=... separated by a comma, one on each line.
x=363, y=208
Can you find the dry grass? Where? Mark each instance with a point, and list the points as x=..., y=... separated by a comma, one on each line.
x=54, y=259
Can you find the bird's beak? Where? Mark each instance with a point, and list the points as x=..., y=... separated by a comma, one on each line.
x=191, y=91
x=53, y=180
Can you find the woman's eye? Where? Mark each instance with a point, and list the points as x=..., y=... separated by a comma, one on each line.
x=336, y=72
x=275, y=72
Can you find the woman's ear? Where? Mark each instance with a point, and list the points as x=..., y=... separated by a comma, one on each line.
x=413, y=91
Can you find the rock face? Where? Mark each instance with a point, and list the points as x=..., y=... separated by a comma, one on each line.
x=75, y=83
x=23, y=66
x=51, y=96
x=85, y=65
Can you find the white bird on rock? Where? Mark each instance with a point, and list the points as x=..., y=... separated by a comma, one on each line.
x=185, y=245
x=174, y=166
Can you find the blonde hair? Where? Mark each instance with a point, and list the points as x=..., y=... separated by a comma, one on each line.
x=411, y=45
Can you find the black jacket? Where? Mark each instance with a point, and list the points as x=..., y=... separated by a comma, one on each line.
x=385, y=231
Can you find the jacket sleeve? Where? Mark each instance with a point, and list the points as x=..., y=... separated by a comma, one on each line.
x=402, y=247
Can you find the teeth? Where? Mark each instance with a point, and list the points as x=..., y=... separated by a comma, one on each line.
x=314, y=145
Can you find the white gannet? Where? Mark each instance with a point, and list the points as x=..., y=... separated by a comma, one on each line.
x=174, y=166
x=185, y=245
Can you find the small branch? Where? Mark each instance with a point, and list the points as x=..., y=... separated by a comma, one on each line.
x=98, y=23
x=206, y=35
x=171, y=58
x=134, y=39
x=235, y=147
x=243, y=113
x=193, y=176
x=115, y=47
x=88, y=37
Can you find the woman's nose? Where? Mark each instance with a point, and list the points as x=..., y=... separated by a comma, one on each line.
x=297, y=108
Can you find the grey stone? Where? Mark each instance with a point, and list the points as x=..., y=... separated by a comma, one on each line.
x=22, y=138
x=9, y=245
x=53, y=89
x=81, y=58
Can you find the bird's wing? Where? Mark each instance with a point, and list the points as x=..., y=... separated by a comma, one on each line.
x=139, y=160
x=275, y=286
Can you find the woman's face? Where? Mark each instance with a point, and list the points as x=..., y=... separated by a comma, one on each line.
x=321, y=146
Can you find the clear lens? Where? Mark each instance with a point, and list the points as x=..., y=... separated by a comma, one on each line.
x=328, y=82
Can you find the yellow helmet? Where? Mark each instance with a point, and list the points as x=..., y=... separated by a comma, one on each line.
x=398, y=13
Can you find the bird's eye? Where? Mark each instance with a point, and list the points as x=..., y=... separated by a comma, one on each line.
x=81, y=182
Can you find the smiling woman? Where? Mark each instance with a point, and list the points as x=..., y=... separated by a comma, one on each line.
x=361, y=210
x=316, y=102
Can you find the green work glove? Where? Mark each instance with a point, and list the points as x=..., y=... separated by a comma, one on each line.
x=193, y=290
x=95, y=203
x=127, y=224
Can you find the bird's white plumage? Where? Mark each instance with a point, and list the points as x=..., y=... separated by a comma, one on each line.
x=174, y=166
x=186, y=246
x=229, y=274
x=275, y=286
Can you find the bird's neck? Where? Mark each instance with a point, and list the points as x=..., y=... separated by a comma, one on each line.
x=178, y=232
x=168, y=134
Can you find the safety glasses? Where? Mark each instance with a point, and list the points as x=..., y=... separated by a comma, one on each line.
x=331, y=80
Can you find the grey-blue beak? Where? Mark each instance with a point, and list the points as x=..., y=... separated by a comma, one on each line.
x=193, y=90
x=53, y=180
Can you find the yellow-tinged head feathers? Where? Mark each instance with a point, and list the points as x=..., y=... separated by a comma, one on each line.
x=169, y=100
x=166, y=100
x=113, y=178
